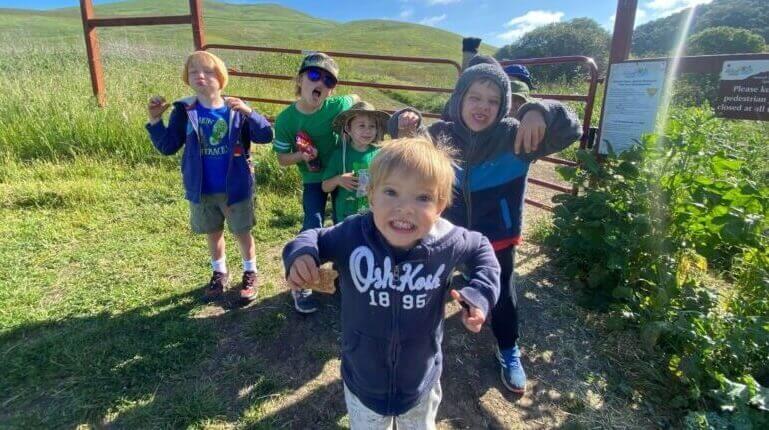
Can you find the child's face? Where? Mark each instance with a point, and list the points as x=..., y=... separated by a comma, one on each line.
x=313, y=93
x=202, y=78
x=515, y=104
x=404, y=209
x=480, y=105
x=362, y=129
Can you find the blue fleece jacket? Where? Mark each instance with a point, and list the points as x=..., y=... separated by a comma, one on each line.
x=183, y=130
x=393, y=311
x=490, y=177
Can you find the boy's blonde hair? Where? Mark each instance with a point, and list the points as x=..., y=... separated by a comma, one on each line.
x=419, y=157
x=207, y=59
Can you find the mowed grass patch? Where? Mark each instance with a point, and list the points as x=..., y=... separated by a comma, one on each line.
x=99, y=296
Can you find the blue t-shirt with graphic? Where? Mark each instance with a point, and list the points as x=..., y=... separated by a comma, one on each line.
x=214, y=149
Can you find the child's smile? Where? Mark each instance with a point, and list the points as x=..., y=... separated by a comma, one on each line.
x=404, y=209
x=480, y=105
x=362, y=130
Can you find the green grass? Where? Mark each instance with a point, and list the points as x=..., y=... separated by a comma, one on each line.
x=263, y=25
x=103, y=313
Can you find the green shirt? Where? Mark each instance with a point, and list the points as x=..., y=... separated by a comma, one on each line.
x=317, y=125
x=348, y=203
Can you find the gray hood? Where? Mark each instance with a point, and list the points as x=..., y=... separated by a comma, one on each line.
x=492, y=72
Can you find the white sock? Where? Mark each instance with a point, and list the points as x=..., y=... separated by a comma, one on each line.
x=249, y=265
x=219, y=265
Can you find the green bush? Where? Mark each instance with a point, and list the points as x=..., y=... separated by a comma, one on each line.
x=670, y=237
x=724, y=40
x=580, y=36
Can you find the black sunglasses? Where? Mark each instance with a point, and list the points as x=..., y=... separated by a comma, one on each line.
x=317, y=74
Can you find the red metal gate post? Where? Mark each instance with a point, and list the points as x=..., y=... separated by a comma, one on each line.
x=92, y=50
x=622, y=38
x=621, y=42
x=198, y=32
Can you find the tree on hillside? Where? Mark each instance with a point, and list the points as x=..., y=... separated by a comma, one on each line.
x=724, y=40
x=581, y=36
x=751, y=15
x=658, y=37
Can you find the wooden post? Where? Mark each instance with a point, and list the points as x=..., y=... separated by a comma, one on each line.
x=92, y=50
x=622, y=39
x=198, y=32
x=621, y=42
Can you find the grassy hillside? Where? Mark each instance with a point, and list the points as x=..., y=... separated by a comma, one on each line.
x=263, y=25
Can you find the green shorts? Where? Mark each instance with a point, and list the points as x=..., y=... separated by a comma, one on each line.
x=208, y=216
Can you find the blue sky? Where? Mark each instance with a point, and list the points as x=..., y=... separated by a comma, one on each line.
x=498, y=22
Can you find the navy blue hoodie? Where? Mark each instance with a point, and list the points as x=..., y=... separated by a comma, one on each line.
x=182, y=130
x=392, y=313
x=490, y=177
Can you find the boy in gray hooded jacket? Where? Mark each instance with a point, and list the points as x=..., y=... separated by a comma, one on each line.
x=494, y=153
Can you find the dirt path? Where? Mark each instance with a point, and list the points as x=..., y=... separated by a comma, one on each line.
x=289, y=367
x=291, y=376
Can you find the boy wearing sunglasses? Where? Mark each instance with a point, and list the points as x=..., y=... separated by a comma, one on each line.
x=311, y=118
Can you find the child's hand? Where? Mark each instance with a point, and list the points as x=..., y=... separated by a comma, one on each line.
x=472, y=317
x=348, y=181
x=304, y=271
x=407, y=124
x=155, y=108
x=308, y=155
x=530, y=133
x=239, y=105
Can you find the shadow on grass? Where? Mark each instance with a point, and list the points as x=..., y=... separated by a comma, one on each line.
x=173, y=363
x=284, y=219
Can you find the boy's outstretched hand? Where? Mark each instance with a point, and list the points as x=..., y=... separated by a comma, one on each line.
x=530, y=133
x=155, y=108
x=408, y=123
x=239, y=105
x=472, y=317
x=304, y=271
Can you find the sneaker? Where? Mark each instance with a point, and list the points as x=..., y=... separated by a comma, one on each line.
x=216, y=286
x=304, y=302
x=511, y=370
x=248, y=286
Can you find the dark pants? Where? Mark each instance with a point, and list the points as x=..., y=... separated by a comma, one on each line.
x=504, y=315
x=313, y=205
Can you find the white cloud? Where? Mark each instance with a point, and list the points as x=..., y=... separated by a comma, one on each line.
x=667, y=7
x=406, y=13
x=640, y=15
x=437, y=2
x=523, y=24
x=431, y=21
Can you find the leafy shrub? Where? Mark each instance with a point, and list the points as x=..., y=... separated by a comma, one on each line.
x=724, y=40
x=642, y=240
x=580, y=36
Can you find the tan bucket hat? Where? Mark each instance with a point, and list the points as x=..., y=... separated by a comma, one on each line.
x=367, y=108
